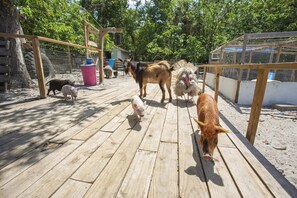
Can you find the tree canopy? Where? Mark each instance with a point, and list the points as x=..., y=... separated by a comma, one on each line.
x=160, y=29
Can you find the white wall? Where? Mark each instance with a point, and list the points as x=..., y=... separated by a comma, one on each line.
x=276, y=92
x=227, y=86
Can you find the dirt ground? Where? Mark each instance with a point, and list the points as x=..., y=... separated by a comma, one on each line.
x=276, y=136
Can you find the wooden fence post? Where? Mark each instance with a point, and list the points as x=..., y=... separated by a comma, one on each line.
x=39, y=67
x=204, y=77
x=257, y=104
x=217, y=84
x=69, y=59
x=101, y=57
x=241, y=70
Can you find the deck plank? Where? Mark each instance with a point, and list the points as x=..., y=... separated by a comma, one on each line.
x=21, y=182
x=191, y=176
x=17, y=147
x=262, y=167
x=90, y=170
x=60, y=173
x=110, y=179
x=246, y=179
x=72, y=188
x=137, y=180
x=219, y=180
x=152, y=137
x=170, y=134
x=117, y=156
x=165, y=175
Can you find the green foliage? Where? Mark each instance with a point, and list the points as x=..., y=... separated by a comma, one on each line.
x=61, y=20
x=160, y=29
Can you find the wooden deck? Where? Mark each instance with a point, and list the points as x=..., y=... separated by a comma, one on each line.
x=94, y=148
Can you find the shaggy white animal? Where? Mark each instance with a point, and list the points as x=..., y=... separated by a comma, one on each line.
x=186, y=83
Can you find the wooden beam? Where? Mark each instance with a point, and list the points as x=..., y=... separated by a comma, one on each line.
x=101, y=58
x=64, y=43
x=241, y=69
x=204, y=77
x=217, y=84
x=86, y=38
x=39, y=67
x=257, y=104
x=272, y=35
x=222, y=56
x=9, y=35
x=283, y=66
x=293, y=71
x=69, y=59
x=249, y=70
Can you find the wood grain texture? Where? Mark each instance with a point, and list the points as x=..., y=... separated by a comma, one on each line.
x=165, y=176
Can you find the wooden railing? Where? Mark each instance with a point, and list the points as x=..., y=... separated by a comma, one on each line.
x=37, y=56
x=263, y=70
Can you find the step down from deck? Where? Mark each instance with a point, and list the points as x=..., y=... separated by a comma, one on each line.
x=285, y=107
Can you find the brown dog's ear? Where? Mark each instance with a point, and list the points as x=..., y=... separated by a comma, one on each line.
x=201, y=124
x=220, y=129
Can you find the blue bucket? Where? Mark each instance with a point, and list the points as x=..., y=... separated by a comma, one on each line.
x=89, y=60
x=111, y=62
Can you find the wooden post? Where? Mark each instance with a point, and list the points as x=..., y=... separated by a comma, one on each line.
x=241, y=70
x=257, y=104
x=222, y=59
x=198, y=74
x=217, y=83
x=293, y=71
x=250, y=61
x=86, y=37
x=102, y=33
x=69, y=59
x=101, y=57
x=278, y=56
x=204, y=77
x=234, y=57
x=39, y=67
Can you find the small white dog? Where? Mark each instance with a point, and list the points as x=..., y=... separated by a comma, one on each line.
x=69, y=90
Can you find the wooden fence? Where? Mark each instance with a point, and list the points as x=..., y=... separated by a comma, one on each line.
x=263, y=70
x=37, y=56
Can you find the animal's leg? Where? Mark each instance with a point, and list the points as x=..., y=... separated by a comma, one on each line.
x=168, y=85
x=140, y=89
x=48, y=92
x=144, y=89
x=54, y=92
x=161, y=84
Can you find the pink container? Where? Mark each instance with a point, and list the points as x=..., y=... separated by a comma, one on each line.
x=89, y=74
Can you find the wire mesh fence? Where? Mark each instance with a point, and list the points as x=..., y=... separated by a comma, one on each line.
x=259, y=49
